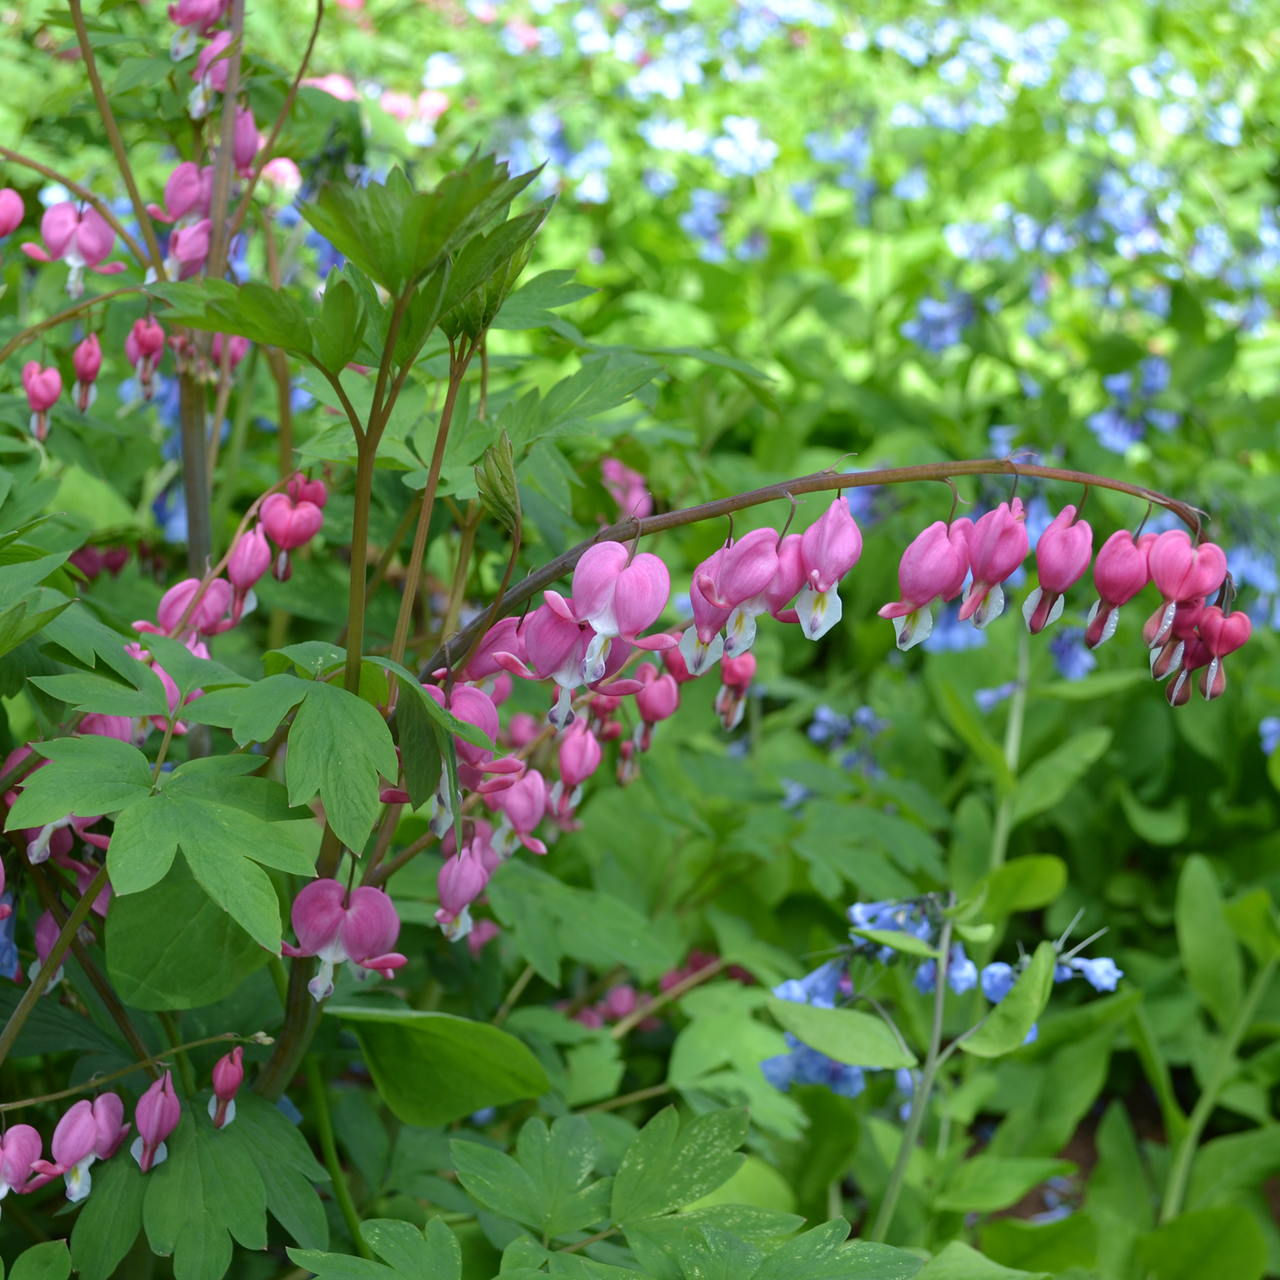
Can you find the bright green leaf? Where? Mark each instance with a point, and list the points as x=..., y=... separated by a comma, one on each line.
x=846, y=1035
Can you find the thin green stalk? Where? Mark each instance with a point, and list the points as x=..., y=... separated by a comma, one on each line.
x=235, y=448
x=186, y=1075
x=359, y=569
x=1224, y=1068
x=341, y=1192
x=920, y=1098
x=33, y=993
x=1012, y=753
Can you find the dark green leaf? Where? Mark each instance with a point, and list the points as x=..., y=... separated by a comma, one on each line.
x=49, y=1261
x=1009, y=1023
x=111, y=1219
x=88, y=776
x=1210, y=955
x=987, y=1183
x=419, y=750
x=1207, y=1244
x=1049, y=1246
x=338, y=332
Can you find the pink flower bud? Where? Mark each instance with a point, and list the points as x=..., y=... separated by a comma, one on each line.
x=1119, y=573
x=744, y=570
x=619, y=1002
x=674, y=662
x=829, y=548
x=523, y=729
x=189, y=189
x=108, y=1118
x=660, y=697
x=239, y=349
x=933, y=567
x=998, y=544
x=245, y=141
x=228, y=1075
x=738, y=673
x=702, y=643
x=283, y=174
x=300, y=489
x=250, y=559
x=1062, y=556
x=523, y=806
x=503, y=637
x=12, y=214
x=731, y=699
x=46, y=936
x=211, y=66
x=288, y=525
x=1220, y=634
x=626, y=487
x=155, y=1117
x=474, y=707
x=1181, y=572
x=43, y=387
x=482, y=933
x=87, y=359
x=19, y=1149
x=188, y=249
x=579, y=755
x=460, y=882
x=148, y=337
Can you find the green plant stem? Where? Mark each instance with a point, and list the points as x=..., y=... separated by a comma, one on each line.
x=359, y=554
x=457, y=371
x=626, y=1099
x=517, y=990
x=301, y=1018
x=919, y=1099
x=185, y=1074
x=324, y=1123
x=235, y=448
x=32, y=332
x=219, y=241
x=1224, y=1068
x=113, y=136
x=1012, y=754
x=626, y=530
x=195, y=471
x=79, y=913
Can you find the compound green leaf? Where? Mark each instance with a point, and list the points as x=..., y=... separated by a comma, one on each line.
x=111, y=1218
x=88, y=776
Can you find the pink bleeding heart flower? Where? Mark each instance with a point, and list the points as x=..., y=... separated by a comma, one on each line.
x=503, y=637
x=933, y=567
x=300, y=489
x=188, y=190
x=108, y=1117
x=482, y=933
x=659, y=700
x=1222, y=634
x=193, y=18
x=1119, y=573
x=362, y=929
x=829, y=548
x=460, y=882
x=673, y=660
x=72, y=1147
x=1195, y=656
x=188, y=249
x=619, y=1002
x=998, y=544
x=626, y=487
x=743, y=579
x=20, y=1148
x=81, y=239
x=207, y=618
x=239, y=349
x=1181, y=571
x=86, y=360
x=555, y=646
x=283, y=175
x=246, y=141
x=731, y=700
x=474, y=707
x=702, y=644
x=1062, y=557
x=523, y=806
x=479, y=844
x=210, y=74
x=618, y=596
x=143, y=348
x=43, y=387
x=789, y=579
x=289, y=525
x=250, y=559
x=118, y=727
x=46, y=933
x=12, y=214
x=228, y=1076
x=580, y=756
x=156, y=1117
x=522, y=729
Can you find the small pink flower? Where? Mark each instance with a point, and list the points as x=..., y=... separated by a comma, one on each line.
x=626, y=487
x=619, y=596
x=399, y=106
x=12, y=214
x=87, y=361
x=246, y=141
x=702, y=643
x=20, y=1148
x=143, y=349
x=284, y=175
x=1221, y=634
x=1062, y=557
x=43, y=387
x=933, y=567
x=460, y=882
x=207, y=618
x=743, y=582
x=731, y=700
x=503, y=637
x=239, y=349
x=289, y=525
x=156, y=1117
x=580, y=756
x=46, y=933
x=300, y=489
x=523, y=729
x=659, y=700
x=998, y=544
x=189, y=190
x=432, y=104
x=81, y=239
x=362, y=929
x=250, y=559
x=523, y=806
x=1180, y=571
x=482, y=933
x=210, y=73
x=228, y=1076
x=619, y=1002
x=336, y=86
x=188, y=249
x=829, y=548
x=1119, y=573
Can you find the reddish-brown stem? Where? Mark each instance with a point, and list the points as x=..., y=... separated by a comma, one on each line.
x=219, y=236
x=823, y=480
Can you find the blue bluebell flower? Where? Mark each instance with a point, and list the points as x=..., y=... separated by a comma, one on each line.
x=1070, y=654
x=1269, y=734
x=997, y=980
x=818, y=988
x=1101, y=974
x=10, y=962
x=989, y=699
x=803, y=1065
x=939, y=323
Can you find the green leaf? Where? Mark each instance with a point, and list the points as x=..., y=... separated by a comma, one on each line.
x=738, y=944
x=1048, y=1246
x=205, y=1192
x=310, y=659
x=959, y=1262
x=49, y=1261
x=987, y=1183
x=111, y=1218
x=530, y=306
x=712, y=1254
x=225, y=826
x=1161, y=827
x=419, y=750
x=1024, y=884
x=846, y=1035
x=1209, y=952
x=1051, y=777
x=666, y=1167
x=341, y=1266
x=1009, y=1023
x=1106, y=684
x=964, y=720
x=337, y=334
x=559, y=1160
x=87, y=692
x=189, y=672
x=896, y=939
x=173, y=947
x=88, y=776
x=444, y=718
x=433, y=1068
x=1252, y=918
x=1207, y=1244
x=252, y=714
x=272, y=317
x=16, y=625
x=339, y=745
